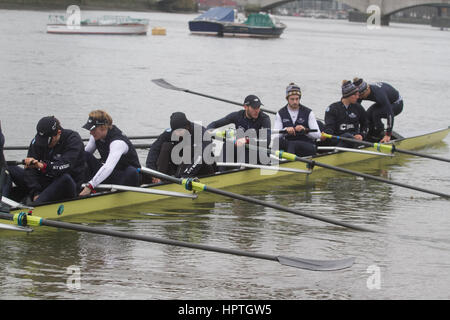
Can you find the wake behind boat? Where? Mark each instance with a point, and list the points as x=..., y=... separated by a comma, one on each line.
x=115, y=25
x=226, y=22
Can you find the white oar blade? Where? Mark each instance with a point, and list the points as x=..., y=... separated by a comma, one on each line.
x=262, y=167
x=316, y=265
x=147, y=190
x=14, y=204
x=14, y=228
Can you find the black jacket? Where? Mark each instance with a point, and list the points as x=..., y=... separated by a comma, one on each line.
x=384, y=95
x=340, y=120
x=194, y=166
x=129, y=159
x=240, y=121
x=66, y=157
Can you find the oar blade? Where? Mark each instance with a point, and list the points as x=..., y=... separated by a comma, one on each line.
x=316, y=265
x=11, y=227
x=164, y=84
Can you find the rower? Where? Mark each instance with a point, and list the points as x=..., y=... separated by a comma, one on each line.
x=187, y=159
x=388, y=104
x=54, y=167
x=346, y=118
x=5, y=182
x=300, y=123
x=13, y=174
x=118, y=161
x=250, y=123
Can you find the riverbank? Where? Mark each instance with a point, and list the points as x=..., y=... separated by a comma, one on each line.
x=129, y=5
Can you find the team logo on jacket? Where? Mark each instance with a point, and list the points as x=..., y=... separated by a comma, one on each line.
x=352, y=115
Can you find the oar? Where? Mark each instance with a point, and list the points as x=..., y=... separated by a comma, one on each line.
x=136, y=145
x=14, y=204
x=139, y=146
x=14, y=228
x=146, y=190
x=164, y=84
x=257, y=166
x=312, y=163
x=135, y=138
x=385, y=147
x=381, y=154
x=190, y=184
x=308, y=264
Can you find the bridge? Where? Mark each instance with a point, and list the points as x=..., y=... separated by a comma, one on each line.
x=387, y=7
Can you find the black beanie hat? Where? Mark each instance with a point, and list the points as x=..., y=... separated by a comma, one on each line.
x=348, y=89
x=178, y=120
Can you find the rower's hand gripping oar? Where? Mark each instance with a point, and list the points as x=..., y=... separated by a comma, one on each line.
x=384, y=147
x=191, y=184
x=311, y=163
x=24, y=220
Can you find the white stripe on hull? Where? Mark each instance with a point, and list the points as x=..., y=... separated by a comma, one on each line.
x=94, y=29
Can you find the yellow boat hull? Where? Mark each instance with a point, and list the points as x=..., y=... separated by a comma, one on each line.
x=103, y=203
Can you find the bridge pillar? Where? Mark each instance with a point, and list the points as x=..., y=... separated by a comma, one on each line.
x=442, y=20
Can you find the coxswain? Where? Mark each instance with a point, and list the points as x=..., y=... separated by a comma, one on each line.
x=346, y=118
x=388, y=104
x=302, y=128
x=118, y=161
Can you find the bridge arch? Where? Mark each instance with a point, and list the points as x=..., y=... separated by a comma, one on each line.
x=442, y=5
x=387, y=7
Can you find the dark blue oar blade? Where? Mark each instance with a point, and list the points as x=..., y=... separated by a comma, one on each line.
x=316, y=265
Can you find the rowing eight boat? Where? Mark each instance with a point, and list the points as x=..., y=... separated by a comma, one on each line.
x=105, y=201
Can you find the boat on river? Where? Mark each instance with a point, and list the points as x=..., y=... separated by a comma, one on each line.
x=225, y=22
x=104, y=202
x=114, y=25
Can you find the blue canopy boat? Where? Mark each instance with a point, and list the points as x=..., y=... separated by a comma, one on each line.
x=211, y=21
x=222, y=21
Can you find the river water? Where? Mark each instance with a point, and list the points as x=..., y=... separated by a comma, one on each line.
x=68, y=76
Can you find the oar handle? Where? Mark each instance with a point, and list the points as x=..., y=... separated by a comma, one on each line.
x=15, y=162
x=23, y=219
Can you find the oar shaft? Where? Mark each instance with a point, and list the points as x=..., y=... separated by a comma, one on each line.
x=421, y=155
x=283, y=208
x=138, y=146
x=113, y=233
x=308, y=264
x=225, y=100
x=164, y=84
x=386, y=147
x=312, y=163
x=84, y=228
x=255, y=201
x=368, y=176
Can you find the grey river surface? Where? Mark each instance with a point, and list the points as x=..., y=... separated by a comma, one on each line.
x=70, y=75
